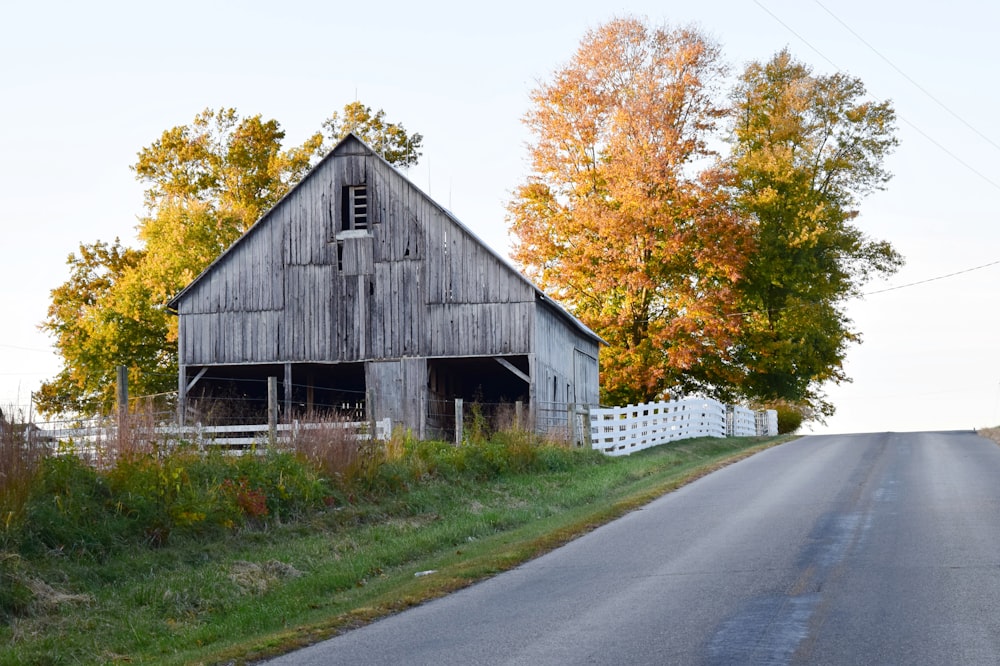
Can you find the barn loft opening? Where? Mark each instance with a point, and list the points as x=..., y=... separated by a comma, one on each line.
x=354, y=213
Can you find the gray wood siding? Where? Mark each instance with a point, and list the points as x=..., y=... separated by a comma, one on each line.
x=229, y=337
x=298, y=288
x=250, y=280
x=397, y=389
x=563, y=353
x=464, y=271
x=309, y=325
x=305, y=221
x=385, y=390
x=479, y=329
x=399, y=315
x=401, y=210
x=586, y=378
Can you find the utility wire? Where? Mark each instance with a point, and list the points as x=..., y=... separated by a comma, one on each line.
x=872, y=293
x=908, y=77
x=801, y=38
x=31, y=349
x=911, y=124
x=933, y=279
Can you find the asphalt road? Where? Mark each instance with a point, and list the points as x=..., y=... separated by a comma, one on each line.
x=862, y=549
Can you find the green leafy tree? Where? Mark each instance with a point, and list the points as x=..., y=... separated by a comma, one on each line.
x=805, y=150
x=390, y=140
x=86, y=330
x=206, y=184
x=233, y=165
x=624, y=217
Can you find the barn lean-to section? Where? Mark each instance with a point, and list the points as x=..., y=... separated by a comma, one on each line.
x=358, y=291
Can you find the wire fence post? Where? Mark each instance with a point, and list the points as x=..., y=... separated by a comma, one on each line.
x=459, y=425
x=272, y=411
x=121, y=396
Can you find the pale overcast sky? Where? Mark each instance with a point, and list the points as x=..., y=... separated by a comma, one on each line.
x=84, y=86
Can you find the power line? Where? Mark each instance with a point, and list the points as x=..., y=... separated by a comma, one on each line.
x=933, y=279
x=908, y=122
x=801, y=38
x=31, y=349
x=906, y=76
x=872, y=293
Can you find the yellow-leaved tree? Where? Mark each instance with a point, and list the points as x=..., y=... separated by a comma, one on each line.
x=206, y=183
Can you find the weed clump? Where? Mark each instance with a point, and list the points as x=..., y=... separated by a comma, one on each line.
x=20, y=459
x=151, y=497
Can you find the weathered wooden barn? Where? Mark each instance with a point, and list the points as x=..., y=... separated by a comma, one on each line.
x=357, y=288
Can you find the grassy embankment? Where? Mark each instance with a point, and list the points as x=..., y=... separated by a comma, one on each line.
x=991, y=433
x=180, y=558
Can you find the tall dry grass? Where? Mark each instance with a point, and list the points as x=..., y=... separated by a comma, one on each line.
x=20, y=457
x=329, y=444
x=991, y=433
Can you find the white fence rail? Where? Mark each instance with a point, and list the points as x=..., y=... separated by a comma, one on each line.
x=619, y=431
x=614, y=430
x=234, y=437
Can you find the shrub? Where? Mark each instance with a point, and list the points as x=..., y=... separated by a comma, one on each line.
x=67, y=509
x=155, y=494
x=288, y=484
x=789, y=418
x=147, y=496
x=149, y=492
x=510, y=451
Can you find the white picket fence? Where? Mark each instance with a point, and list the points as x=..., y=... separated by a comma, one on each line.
x=619, y=431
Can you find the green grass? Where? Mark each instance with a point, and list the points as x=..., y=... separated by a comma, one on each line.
x=263, y=589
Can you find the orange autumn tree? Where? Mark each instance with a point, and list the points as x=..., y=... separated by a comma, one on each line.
x=625, y=217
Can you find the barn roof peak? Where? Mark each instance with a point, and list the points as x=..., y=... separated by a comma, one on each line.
x=354, y=145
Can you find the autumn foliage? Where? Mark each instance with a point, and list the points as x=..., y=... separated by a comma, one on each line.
x=624, y=217
x=692, y=261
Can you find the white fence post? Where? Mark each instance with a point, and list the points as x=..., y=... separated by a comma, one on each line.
x=459, y=422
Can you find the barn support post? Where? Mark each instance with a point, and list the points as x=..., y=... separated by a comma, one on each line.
x=181, y=395
x=532, y=393
x=459, y=425
x=182, y=389
x=272, y=410
x=310, y=391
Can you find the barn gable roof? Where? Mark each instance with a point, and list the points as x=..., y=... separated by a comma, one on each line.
x=351, y=144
